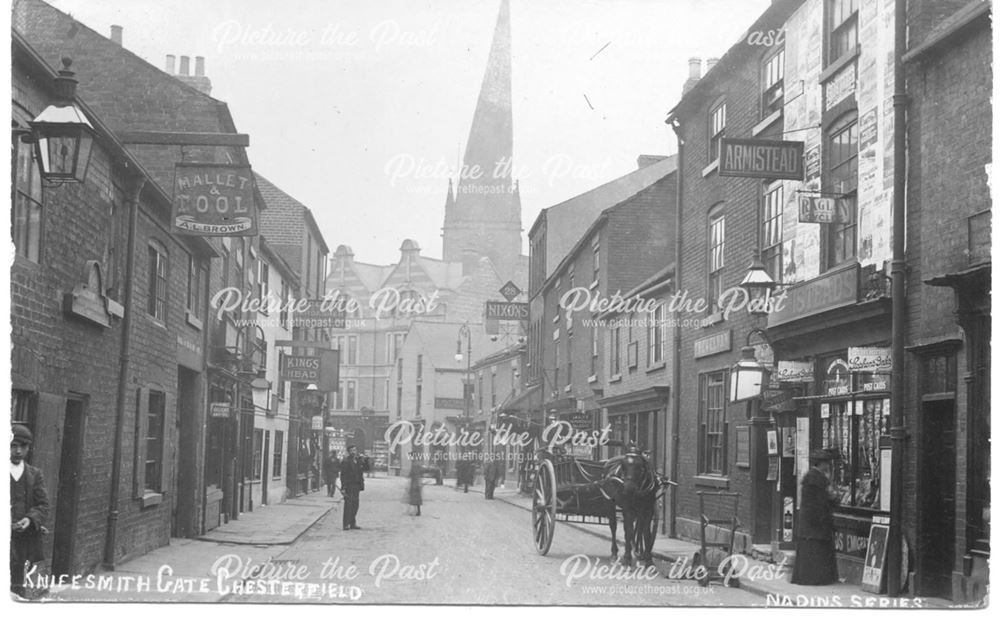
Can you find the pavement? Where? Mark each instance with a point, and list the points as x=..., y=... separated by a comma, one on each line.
x=767, y=580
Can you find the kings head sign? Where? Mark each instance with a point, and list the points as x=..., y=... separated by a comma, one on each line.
x=214, y=199
x=761, y=158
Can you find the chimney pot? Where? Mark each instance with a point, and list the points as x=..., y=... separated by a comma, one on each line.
x=170, y=63
x=710, y=63
x=185, y=65
x=694, y=68
x=199, y=66
x=116, y=34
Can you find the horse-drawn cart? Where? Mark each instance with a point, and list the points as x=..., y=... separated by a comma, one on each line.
x=574, y=490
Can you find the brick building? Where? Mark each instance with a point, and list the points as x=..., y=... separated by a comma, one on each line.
x=948, y=301
x=592, y=246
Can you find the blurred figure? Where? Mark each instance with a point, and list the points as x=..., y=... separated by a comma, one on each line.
x=815, y=561
x=416, y=498
x=331, y=469
x=490, y=476
x=29, y=508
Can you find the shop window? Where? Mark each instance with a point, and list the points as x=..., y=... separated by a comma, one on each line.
x=773, y=96
x=842, y=20
x=716, y=130
x=27, y=223
x=840, y=239
x=712, y=426
x=771, y=233
x=156, y=299
x=853, y=429
x=716, y=255
x=279, y=452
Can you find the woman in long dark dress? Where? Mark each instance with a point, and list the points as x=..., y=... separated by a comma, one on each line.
x=416, y=487
x=815, y=561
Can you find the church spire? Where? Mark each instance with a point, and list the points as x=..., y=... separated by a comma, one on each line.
x=486, y=214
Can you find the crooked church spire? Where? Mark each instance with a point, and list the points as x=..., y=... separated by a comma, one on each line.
x=486, y=215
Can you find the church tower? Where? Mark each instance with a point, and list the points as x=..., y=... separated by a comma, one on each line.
x=484, y=213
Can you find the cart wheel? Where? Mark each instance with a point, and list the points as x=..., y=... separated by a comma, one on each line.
x=543, y=507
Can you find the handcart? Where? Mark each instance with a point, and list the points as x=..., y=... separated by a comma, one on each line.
x=714, y=507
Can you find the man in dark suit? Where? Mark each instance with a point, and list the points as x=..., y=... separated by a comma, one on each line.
x=352, y=482
x=490, y=477
x=29, y=508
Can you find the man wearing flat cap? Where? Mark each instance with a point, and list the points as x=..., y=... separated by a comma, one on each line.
x=29, y=508
x=815, y=562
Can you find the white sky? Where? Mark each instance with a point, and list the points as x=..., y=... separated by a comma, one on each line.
x=334, y=93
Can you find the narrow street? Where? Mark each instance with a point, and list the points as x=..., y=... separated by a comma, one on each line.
x=465, y=550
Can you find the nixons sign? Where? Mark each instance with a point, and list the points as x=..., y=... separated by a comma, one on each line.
x=761, y=158
x=214, y=199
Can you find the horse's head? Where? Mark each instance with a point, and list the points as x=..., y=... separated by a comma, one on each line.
x=630, y=475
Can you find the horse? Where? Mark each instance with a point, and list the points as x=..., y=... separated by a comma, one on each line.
x=631, y=484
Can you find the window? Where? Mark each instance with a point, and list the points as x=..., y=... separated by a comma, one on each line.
x=348, y=347
x=239, y=254
x=712, y=424
x=195, y=286
x=155, y=424
x=385, y=395
x=156, y=302
x=258, y=453
x=593, y=351
x=286, y=295
x=258, y=349
x=855, y=436
x=842, y=178
x=569, y=360
x=263, y=289
x=27, y=223
x=352, y=387
x=493, y=389
x=597, y=257
x=399, y=401
x=654, y=335
x=281, y=380
x=771, y=234
x=843, y=24
x=480, y=390
x=393, y=345
x=420, y=399
x=279, y=451
x=555, y=380
x=22, y=408
x=420, y=367
x=717, y=130
x=616, y=351
x=716, y=255
x=773, y=96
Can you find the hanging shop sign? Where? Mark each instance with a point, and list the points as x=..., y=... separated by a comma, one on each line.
x=798, y=372
x=214, y=199
x=220, y=410
x=869, y=359
x=322, y=370
x=511, y=311
x=815, y=209
x=761, y=158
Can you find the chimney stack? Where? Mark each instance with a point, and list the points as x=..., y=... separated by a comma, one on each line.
x=185, y=65
x=199, y=66
x=694, y=74
x=170, y=64
x=116, y=34
x=710, y=63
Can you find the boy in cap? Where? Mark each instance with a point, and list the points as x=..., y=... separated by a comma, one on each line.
x=29, y=508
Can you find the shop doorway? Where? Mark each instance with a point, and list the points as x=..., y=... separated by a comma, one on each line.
x=68, y=492
x=936, y=545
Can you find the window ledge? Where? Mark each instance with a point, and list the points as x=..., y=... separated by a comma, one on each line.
x=615, y=378
x=712, y=319
x=712, y=481
x=149, y=499
x=710, y=168
x=193, y=321
x=839, y=63
x=657, y=367
x=762, y=126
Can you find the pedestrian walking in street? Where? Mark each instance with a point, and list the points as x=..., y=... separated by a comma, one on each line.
x=815, y=562
x=331, y=469
x=29, y=509
x=352, y=482
x=490, y=477
x=416, y=490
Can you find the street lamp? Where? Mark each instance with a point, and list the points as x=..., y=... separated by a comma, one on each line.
x=62, y=134
x=758, y=284
x=747, y=380
x=260, y=388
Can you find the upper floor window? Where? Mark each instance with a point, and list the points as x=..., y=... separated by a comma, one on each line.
x=716, y=255
x=843, y=24
x=840, y=239
x=773, y=96
x=27, y=223
x=263, y=285
x=286, y=295
x=616, y=351
x=156, y=299
x=771, y=234
x=420, y=367
x=654, y=336
x=596, y=246
x=717, y=129
x=196, y=285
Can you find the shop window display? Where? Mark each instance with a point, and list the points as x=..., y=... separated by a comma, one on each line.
x=853, y=429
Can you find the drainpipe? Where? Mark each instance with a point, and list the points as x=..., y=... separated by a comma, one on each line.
x=897, y=432
x=111, y=536
x=675, y=392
